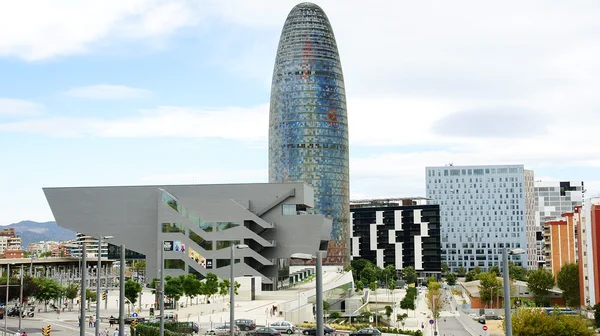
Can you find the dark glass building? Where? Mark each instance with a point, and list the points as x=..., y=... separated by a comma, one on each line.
x=399, y=235
x=308, y=124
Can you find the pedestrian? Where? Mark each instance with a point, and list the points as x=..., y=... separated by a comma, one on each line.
x=111, y=321
x=24, y=333
x=18, y=333
x=79, y=321
x=91, y=321
x=116, y=333
x=94, y=320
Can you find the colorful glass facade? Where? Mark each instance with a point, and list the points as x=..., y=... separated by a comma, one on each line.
x=308, y=125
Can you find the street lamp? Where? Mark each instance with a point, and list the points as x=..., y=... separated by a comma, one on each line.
x=21, y=297
x=506, y=284
x=98, y=296
x=6, y=300
x=232, y=288
x=83, y=276
x=319, y=285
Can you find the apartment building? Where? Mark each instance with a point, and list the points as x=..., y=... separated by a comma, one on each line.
x=484, y=209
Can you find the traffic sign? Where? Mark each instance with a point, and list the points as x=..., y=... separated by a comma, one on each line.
x=431, y=321
x=484, y=328
x=371, y=319
x=134, y=314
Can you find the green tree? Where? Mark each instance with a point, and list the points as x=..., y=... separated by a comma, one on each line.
x=477, y=269
x=568, y=281
x=388, y=311
x=71, y=292
x=139, y=266
x=132, y=290
x=359, y=286
x=517, y=272
x=451, y=278
x=373, y=286
x=445, y=268
x=434, y=298
x=224, y=287
x=529, y=322
x=461, y=271
x=471, y=275
x=494, y=269
x=369, y=274
x=47, y=289
x=408, y=302
x=597, y=315
x=409, y=275
x=490, y=287
x=211, y=285
x=539, y=283
x=46, y=254
x=191, y=286
x=173, y=288
x=326, y=306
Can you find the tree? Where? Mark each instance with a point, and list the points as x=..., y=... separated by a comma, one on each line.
x=450, y=278
x=369, y=274
x=445, y=268
x=471, y=275
x=388, y=311
x=517, y=272
x=530, y=322
x=490, y=287
x=139, y=266
x=373, y=286
x=434, y=298
x=409, y=275
x=224, y=288
x=191, y=285
x=597, y=315
x=461, y=271
x=173, y=288
x=47, y=289
x=408, y=302
x=568, y=281
x=326, y=306
x=46, y=254
x=494, y=269
x=539, y=283
x=71, y=292
x=132, y=290
x=389, y=274
x=359, y=286
x=211, y=285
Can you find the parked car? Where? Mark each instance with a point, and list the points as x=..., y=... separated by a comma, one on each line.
x=283, y=326
x=481, y=320
x=313, y=331
x=245, y=324
x=223, y=329
x=264, y=332
x=493, y=317
x=366, y=331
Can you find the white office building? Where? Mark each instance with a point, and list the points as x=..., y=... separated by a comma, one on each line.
x=484, y=209
x=554, y=198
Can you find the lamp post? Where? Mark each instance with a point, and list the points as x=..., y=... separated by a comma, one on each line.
x=122, y=293
x=83, y=288
x=506, y=284
x=161, y=291
x=6, y=300
x=319, y=284
x=98, y=277
x=21, y=297
x=232, y=288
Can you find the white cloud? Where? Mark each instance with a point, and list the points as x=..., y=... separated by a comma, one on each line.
x=19, y=108
x=165, y=121
x=108, y=92
x=40, y=29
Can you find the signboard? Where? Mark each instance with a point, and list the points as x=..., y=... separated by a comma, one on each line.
x=168, y=245
x=371, y=319
x=177, y=244
x=134, y=315
x=431, y=321
x=484, y=328
x=209, y=263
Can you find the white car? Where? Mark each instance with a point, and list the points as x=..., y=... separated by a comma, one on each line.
x=283, y=326
x=222, y=330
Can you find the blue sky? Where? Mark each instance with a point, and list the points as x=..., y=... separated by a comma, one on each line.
x=155, y=91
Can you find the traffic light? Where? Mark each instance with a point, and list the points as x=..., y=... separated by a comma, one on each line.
x=104, y=296
x=134, y=324
x=47, y=330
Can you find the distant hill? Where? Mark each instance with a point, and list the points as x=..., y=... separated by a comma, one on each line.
x=32, y=232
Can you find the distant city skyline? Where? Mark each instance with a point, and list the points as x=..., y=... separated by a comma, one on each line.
x=169, y=92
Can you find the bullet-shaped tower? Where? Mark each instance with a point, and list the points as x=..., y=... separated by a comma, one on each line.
x=308, y=124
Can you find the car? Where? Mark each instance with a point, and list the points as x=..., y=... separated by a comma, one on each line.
x=493, y=317
x=481, y=320
x=327, y=330
x=245, y=324
x=223, y=329
x=264, y=332
x=474, y=316
x=283, y=326
x=366, y=331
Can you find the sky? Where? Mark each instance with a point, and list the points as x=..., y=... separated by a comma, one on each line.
x=137, y=92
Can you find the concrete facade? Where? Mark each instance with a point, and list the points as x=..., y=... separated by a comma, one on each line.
x=196, y=225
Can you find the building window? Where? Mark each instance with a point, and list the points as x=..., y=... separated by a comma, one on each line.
x=221, y=244
x=205, y=244
x=173, y=227
x=170, y=201
x=174, y=264
x=225, y=262
x=288, y=209
x=222, y=226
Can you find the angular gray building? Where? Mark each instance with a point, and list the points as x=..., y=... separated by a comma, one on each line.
x=308, y=124
x=197, y=225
